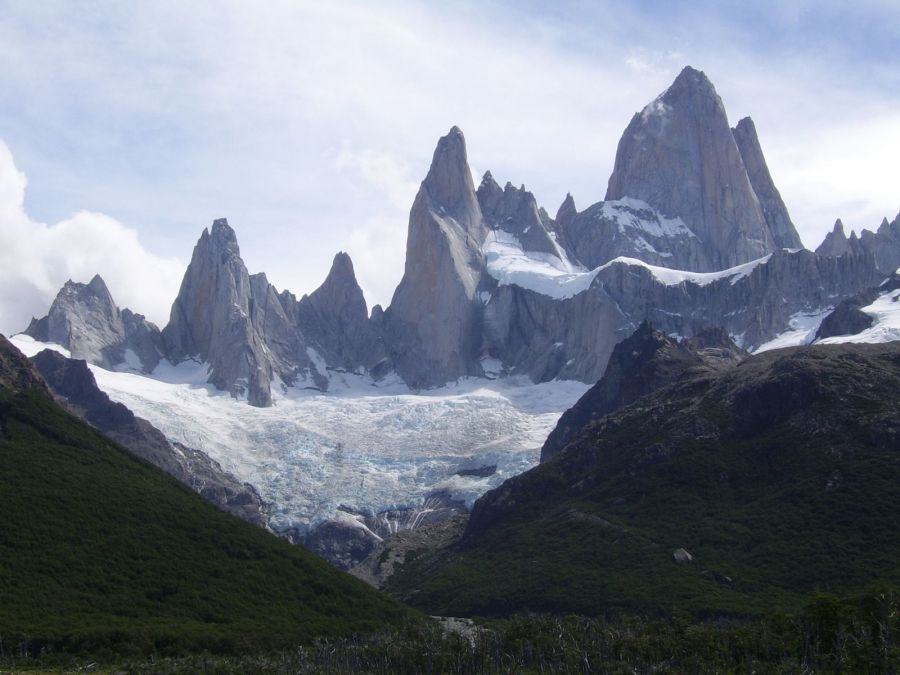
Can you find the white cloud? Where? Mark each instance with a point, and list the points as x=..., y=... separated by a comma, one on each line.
x=309, y=124
x=37, y=259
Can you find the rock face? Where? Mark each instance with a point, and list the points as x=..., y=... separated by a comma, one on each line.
x=85, y=320
x=16, y=372
x=212, y=318
x=679, y=156
x=515, y=211
x=72, y=381
x=848, y=317
x=335, y=320
x=237, y=323
x=780, y=226
x=835, y=243
x=350, y=540
x=883, y=245
x=639, y=365
x=434, y=318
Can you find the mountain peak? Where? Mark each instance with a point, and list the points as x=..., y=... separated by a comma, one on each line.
x=691, y=80
x=449, y=181
x=680, y=156
x=838, y=226
x=566, y=211
x=341, y=271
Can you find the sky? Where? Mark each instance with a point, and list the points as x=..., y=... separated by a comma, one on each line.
x=126, y=128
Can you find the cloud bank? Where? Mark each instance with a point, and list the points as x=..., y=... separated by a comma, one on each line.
x=37, y=259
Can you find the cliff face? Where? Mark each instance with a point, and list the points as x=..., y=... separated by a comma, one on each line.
x=680, y=157
x=434, y=318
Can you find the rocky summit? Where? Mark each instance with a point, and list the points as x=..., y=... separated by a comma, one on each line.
x=693, y=233
x=680, y=156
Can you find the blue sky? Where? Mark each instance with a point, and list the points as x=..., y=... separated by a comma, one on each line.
x=310, y=125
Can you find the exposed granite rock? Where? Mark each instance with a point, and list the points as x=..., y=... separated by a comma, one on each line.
x=545, y=338
x=211, y=319
x=334, y=318
x=848, y=317
x=73, y=382
x=434, y=321
x=382, y=561
x=515, y=211
x=783, y=231
x=236, y=323
x=347, y=541
x=835, y=243
x=566, y=212
x=884, y=245
x=85, y=319
x=573, y=338
x=631, y=228
x=679, y=156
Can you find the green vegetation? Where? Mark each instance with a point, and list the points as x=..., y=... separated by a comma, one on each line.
x=800, y=498
x=829, y=635
x=103, y=554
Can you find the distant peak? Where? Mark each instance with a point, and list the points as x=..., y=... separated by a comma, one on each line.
x=690, y=81
x=97, y=285
x=566, y=210
x=746, y=125
x=838, y=226
x=342, y=265
x=449, y=180
x=221, y=229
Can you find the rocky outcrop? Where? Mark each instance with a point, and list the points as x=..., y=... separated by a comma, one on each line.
x=434, y=320
x=515, y=211
x=236, y=323
x=631, y=228
x=545, y=338
x=848, y=317
x=679, y=156
x=639, y=365
x=352, y=536
x=85, y=319
x=335, y=320
x=211, y=319
x=73, y=382
x=884, y=245
x=835, y=243
x=16, y=371
x=775, y=212
x=573, y=338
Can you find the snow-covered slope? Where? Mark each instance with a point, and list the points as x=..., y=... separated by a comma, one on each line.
x=558, y=277
x=885, y=312
x=368, y=448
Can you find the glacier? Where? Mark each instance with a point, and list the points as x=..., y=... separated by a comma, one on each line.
x=362, y=447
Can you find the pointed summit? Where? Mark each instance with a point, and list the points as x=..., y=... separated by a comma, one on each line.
x=335, y=319
x=449, y=183
x=783, y=231
x=211, y=318
x=679, y=156
x=835, y=243
x=434, y=307
x=566, y=211
x=85, y=319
